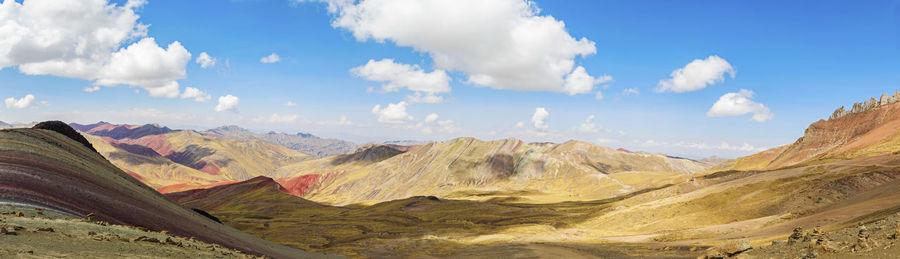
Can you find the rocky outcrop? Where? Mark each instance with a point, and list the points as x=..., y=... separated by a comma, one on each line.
x=872, y=103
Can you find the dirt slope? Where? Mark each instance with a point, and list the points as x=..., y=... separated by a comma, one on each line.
x=46, y=169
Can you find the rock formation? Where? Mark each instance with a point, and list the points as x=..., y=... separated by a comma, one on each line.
x=872, y=103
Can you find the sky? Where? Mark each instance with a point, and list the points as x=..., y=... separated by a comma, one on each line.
x=685, y=78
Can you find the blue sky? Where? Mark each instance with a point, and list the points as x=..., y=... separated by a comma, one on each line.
x=801, y=60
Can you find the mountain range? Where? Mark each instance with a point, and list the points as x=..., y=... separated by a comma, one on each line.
x=463, y=197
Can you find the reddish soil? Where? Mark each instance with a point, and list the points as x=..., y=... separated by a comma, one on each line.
x=841, y=135
x=43, y=172
x=135, y=175
x=209, y=168
x=298, y=186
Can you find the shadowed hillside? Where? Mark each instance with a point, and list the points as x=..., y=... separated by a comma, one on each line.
x=179, y=160
x=468, y=168
x=42, y=168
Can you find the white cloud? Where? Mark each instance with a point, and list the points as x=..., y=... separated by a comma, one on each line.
x=697, y=75
x=588, y=126
x=599, y=95
x=394, y=113
x=271, y=58
x=503, y=44
x=227, y=103
x=426, y=98
x=431, y=118
x=86, y=40
x=275, y=118
x=91, y=89
x=519, y=124
x=343, y=121
x=205, y=60
x=539, y=119
x=196, y=94
x=700, y=145
x=579, y=82
x=631, y=91
x=290, y=104
x=723, y=146
x=397, y=76
x=22, y=103
x=736, y=104
x=447, y=126
x=431, y=121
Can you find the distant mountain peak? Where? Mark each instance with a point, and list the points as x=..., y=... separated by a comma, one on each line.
x=303, y=142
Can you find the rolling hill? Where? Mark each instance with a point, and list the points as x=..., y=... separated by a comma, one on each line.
x=54, y=168
x=467, y=168
x=578, y=199
x=172, y=160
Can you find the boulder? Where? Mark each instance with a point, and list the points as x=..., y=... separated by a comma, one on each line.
x=733, y=247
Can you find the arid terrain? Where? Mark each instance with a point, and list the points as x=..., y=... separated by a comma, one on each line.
x=460, y=198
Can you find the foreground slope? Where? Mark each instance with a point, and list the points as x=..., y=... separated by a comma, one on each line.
x=35, y=233
x=43, y=168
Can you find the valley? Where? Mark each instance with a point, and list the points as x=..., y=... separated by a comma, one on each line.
x=461, y=197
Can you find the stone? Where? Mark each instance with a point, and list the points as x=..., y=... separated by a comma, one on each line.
x=145, y=239
x=45, y=229
x=796, y=237
x=733, y=247
x=169, y=241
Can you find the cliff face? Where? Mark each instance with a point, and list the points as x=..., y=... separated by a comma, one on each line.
x=870, y=128
x=867, y=105
x=845, y=135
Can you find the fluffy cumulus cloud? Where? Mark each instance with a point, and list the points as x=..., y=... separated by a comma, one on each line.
x=394, y=113
x=397, y=76
x=196, y=94
x=588, y=125
x=205, y=60
x=21, y=103
x=697, y=75
x=227, y=103
x=539, y=119
x=271, y=58
x=503, y=44
x=431, y=118
x=579, y=82
x=740, y=103
x=432, y=123
x=86, y=39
